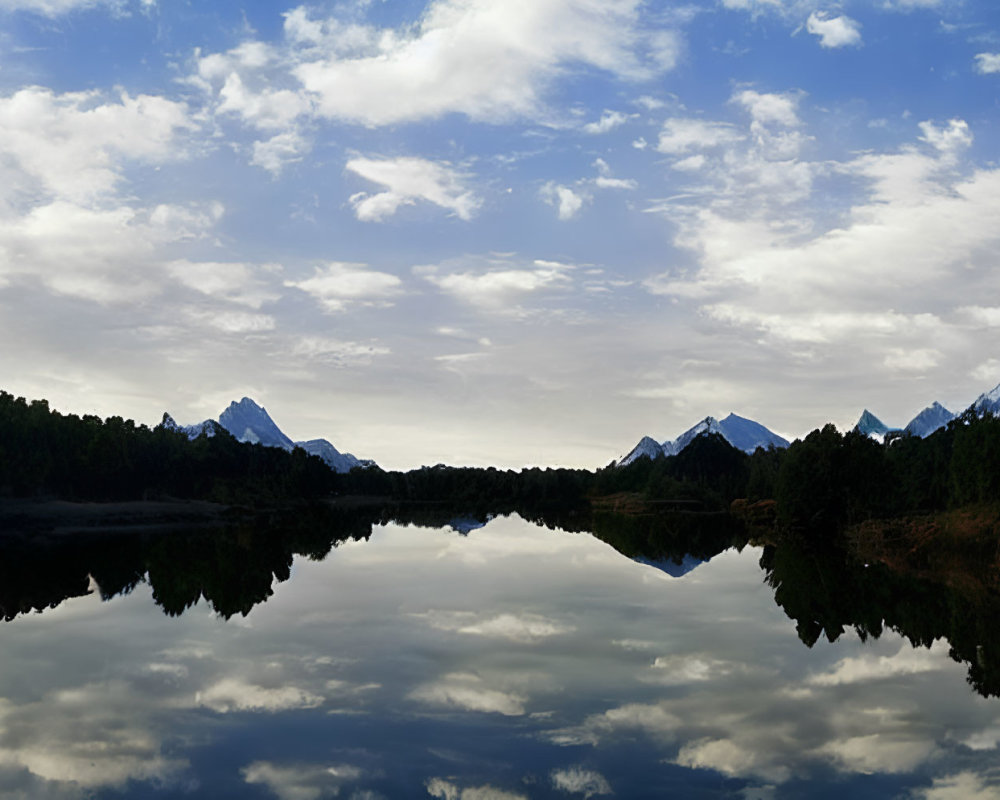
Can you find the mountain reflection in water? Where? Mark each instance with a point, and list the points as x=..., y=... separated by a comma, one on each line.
x=521, y=660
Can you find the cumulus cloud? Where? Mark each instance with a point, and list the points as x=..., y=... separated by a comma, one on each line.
x=72, y=145
x=730, y=758
x=280, y=150
x=489, y=61
x=609, y=121
x=579, y=780
x=469, y=692
x=906, y=661
x=682, y=135
x=407, y=180
x=340, y=284
x=55, y=8
x=336, y=352
x=965, y=785
x=834, y=31
x=300, y=781
x=233, y=281
x=497, y=288
x=987, y=63
x=449, y=790
x=233, y=694
x=523, y=627
x=565, y=200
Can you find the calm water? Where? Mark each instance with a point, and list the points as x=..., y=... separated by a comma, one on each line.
x=514, y=662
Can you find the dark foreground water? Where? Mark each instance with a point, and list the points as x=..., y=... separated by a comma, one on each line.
x=514, y=662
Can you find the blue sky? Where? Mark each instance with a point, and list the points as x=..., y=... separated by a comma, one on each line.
x=500, y=233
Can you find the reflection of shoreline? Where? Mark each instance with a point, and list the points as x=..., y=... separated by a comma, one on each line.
x=21, y=517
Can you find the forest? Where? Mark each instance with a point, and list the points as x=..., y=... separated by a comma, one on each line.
x=822, y=485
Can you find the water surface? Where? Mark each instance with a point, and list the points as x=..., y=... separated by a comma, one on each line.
x=512, y=662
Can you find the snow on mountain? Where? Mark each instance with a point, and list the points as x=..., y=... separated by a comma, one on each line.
x=929, y=420
x=207, y=428
x=747, y=435
x=335, y=460
x=647, y=447
x=671, y=567
x=870, y=425
x=743, y=434
x=988, y=401
x=249, y=422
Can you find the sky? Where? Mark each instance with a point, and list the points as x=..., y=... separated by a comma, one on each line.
x=507, y=232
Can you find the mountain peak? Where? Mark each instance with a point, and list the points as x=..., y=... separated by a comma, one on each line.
x=249, y=422
x=929, y=420
x=870, y=425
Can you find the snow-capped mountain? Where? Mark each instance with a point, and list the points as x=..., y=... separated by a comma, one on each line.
x=929, y=420
x=988, y=401
x=743, y=434
x=249, y=422
x=870, y=425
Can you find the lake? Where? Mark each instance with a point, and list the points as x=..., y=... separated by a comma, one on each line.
x=509, y=660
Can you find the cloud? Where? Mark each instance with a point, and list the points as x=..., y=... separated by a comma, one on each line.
x=109, y=255
x=859, y=669
x=340, y=284
x=71, y=146
x=680, y=135
x=276, y=153
x=491, y=62
x=578, y=780
x=834, y=32
x=730, y=758
x=408, y=180
x=300, y=781
x=965, y=785
x=609, y=121
x=497, y=288
x=565, y=200
x=460, y=690
x=337, y=353
x=987, y=63
x=233, y=694
x=448, y=790
x=525, y=628
x=232, y=281
x=55, y=8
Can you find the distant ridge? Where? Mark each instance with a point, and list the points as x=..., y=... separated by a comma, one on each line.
x=249, y=422
x=743, y=434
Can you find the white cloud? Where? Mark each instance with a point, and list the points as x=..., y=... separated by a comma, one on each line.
x=300, y=781
x=336, y=352
x=770, y=108
x=490, y=61
x=566, y=201
x=730, y=758
x=681, y=135
x=834, y=31
x=233, y=281
x=71, y=145
x=918, y=360
x=948, y=141
x=54, y=8
x=234, y=694
x=447, y=790
x=885, y=752
x=339, y=284
x=408, y=180
x=523, y=627
x=233, y=321
x=860, y=669
x=267, y=109
x=609, y=121
x=107, y=256
x=579, y=780
x=960, y=786
x=282, y=149
x=496, y=288
x=987, y=63
x=460, y=690
x=987, y=372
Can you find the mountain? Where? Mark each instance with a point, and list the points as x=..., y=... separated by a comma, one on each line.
x=671, y=567
x=743, y=434
x=989, y=401
x=929, y=420
x=647, y=447
x=870, y=425
x=249, y=422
